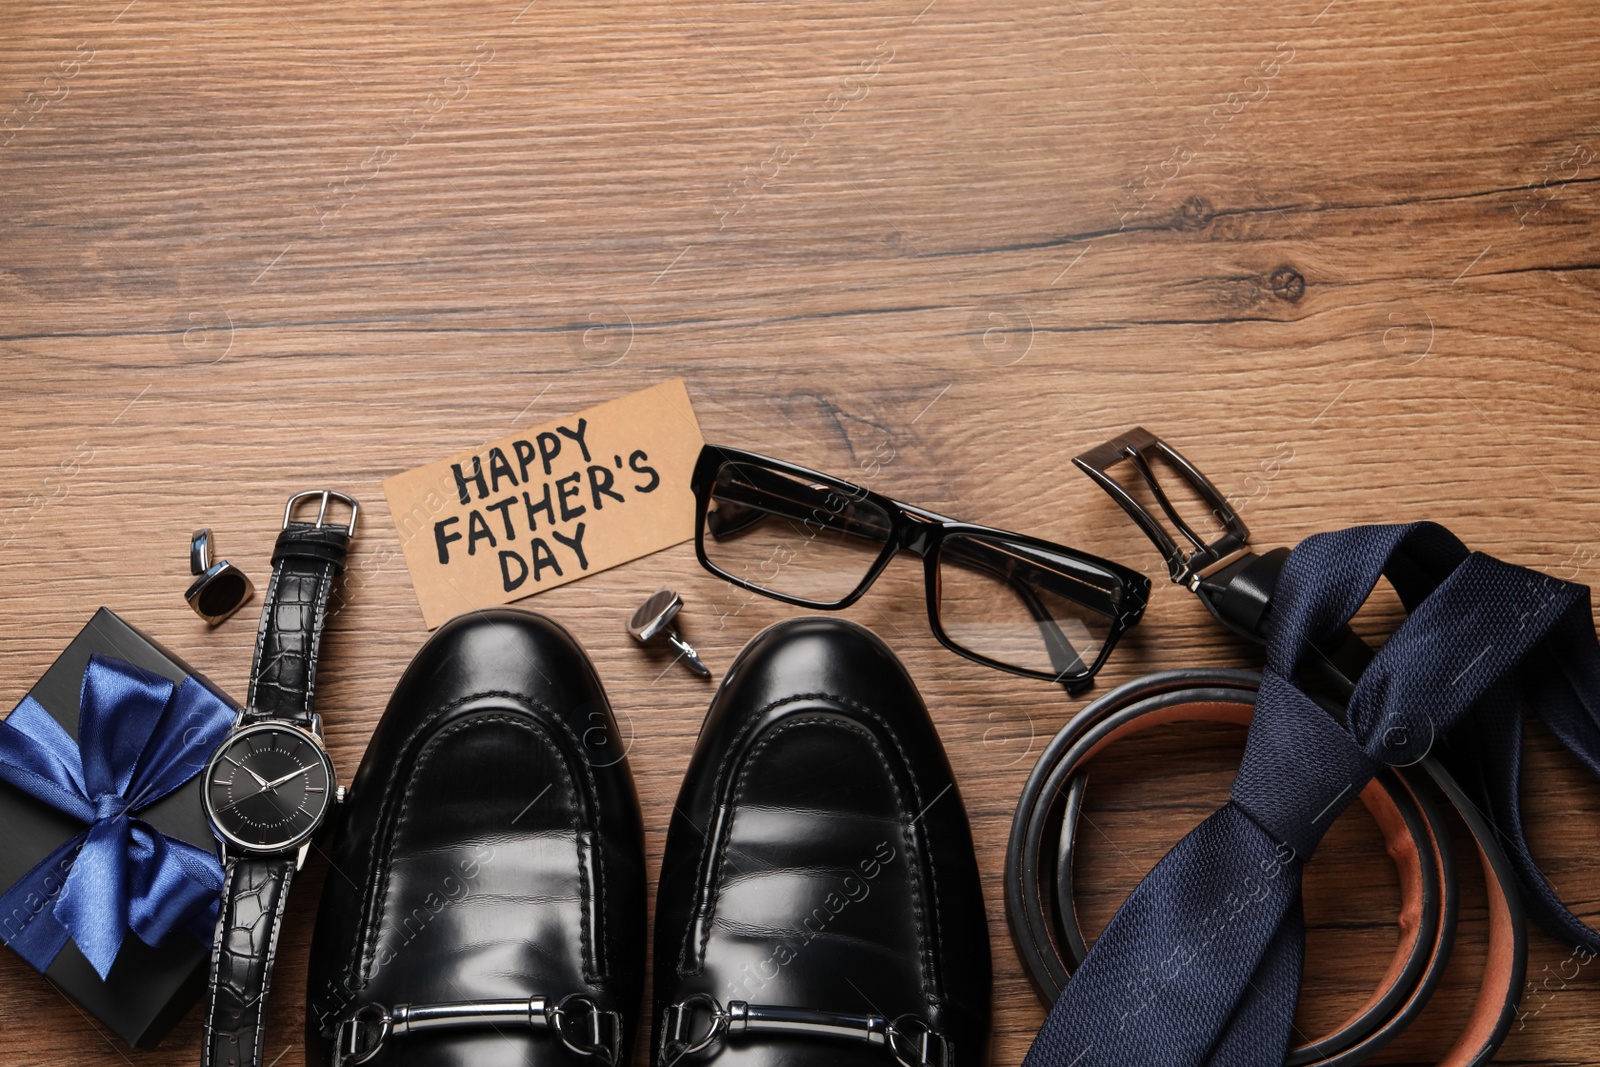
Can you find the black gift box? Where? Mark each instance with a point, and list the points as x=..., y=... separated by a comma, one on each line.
x=148, y=989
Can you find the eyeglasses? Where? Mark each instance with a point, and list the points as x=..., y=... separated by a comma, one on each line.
x=1016, y=603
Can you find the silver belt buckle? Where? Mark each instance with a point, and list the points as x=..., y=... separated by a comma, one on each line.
x=1184, y=567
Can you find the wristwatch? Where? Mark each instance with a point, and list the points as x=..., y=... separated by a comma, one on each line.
x=270, y=785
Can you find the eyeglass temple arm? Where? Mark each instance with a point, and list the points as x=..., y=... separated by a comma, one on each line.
x=1063, y=656
x=770, y=494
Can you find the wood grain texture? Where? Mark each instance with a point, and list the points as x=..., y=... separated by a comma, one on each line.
x=1342, y=253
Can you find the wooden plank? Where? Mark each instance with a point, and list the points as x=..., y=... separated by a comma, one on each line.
x=1343, y=255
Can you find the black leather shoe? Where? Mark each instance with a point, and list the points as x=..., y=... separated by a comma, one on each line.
x=819, y=899
x=486, y=904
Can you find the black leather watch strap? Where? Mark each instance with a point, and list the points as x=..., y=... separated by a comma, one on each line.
x=253, y=897
x=306, y=562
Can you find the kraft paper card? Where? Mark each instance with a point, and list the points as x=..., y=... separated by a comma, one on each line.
x=549, y=505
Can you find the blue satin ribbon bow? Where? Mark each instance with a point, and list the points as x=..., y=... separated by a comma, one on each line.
x=139, y=738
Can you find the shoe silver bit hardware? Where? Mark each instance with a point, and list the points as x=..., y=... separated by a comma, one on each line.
x=219, y=588
x=578, y=1021
x=698, y=1023
x=651, y=625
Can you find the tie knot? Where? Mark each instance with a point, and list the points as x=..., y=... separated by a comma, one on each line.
x=109, y=806
x=1300, y=767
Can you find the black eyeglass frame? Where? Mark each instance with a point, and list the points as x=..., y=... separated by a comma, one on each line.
x=922, y=533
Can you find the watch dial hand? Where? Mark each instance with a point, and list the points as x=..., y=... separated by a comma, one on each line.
x=275, y=783
x=239, y=800
x=262, y=786
x=266, y=786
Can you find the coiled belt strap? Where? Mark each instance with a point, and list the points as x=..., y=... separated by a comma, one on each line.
x=1043, y=920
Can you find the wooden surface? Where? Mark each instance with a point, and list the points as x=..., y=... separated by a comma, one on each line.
x=1341, y=253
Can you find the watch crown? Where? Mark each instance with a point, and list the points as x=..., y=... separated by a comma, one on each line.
x=339, y=795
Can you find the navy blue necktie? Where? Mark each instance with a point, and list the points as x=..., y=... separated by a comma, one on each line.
x=1560, y=681
x=1201, y=966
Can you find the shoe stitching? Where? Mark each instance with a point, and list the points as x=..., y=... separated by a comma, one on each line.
x=907, y=830
x=712, y=852
x=371, y=933
x=374, y=903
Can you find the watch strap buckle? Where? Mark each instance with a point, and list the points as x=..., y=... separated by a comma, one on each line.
x=324, y=495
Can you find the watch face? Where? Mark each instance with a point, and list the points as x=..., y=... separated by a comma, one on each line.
x=268, y=787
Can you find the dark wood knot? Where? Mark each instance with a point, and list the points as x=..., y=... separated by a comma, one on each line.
x=1287, y=283
x=1195, y=213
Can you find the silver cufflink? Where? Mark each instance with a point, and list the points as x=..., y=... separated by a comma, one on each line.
x=652, y=625
x=220, y=588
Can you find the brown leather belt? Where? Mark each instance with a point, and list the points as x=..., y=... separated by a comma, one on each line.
x=1039, y=886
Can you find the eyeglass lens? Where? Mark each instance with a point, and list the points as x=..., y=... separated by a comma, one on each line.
x=787, y=535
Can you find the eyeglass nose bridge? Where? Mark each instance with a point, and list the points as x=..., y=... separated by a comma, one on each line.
x=920, y=533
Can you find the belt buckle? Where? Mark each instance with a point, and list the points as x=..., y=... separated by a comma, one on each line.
x=322, y=509
x=1184, y=567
